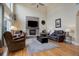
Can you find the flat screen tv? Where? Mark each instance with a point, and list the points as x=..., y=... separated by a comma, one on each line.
x=32, y=24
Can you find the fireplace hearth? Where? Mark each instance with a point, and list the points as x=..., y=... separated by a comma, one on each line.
x=32, y=32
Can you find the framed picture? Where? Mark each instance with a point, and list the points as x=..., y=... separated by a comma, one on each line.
x=58, y=23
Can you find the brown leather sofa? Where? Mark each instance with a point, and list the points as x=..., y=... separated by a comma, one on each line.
x=14, y=44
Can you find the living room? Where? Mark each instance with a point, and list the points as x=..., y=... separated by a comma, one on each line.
x=40, y=23
x=48, y=13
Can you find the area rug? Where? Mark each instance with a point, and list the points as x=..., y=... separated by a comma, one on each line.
x=36, y=46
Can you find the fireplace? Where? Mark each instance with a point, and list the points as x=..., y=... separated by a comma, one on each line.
x=32, y=32
x=32, y=26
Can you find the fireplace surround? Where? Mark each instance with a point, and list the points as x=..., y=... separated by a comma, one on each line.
x=32, y=26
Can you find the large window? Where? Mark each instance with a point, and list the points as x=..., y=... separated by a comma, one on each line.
x=1, y=21
x=7, y=24
x=10, y=6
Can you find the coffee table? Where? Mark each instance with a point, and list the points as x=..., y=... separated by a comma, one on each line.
x=42, y=39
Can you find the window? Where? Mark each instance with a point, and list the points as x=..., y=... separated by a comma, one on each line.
x=1, y=22
x=10, y=6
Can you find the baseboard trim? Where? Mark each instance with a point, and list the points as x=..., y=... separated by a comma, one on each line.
x=75, y=43
x=5, y=53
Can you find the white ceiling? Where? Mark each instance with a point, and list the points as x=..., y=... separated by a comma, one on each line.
x=32, y=4
x=46, y=5
x=35, y=4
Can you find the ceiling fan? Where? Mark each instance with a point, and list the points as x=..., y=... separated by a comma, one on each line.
x=38, y=4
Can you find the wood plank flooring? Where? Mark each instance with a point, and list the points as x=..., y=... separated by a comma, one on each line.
x=1, y=51
x=64, y=49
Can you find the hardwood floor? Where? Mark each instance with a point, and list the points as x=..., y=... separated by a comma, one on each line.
x=64, y=49
x=1, y=51
x=22, y=52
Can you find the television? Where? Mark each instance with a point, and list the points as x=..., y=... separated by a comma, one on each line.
x=32, y=23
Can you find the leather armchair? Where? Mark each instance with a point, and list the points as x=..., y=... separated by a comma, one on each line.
x=12, y=44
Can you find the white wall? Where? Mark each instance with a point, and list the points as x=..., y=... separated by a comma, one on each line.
x=67, y=13
x=63, y=11
x=22, y=11
x=77, y=25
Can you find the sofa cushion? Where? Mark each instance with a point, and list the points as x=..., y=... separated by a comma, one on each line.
x=58, y=31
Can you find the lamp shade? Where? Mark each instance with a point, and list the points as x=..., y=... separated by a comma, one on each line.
x=67, y=30
x=13, y=28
